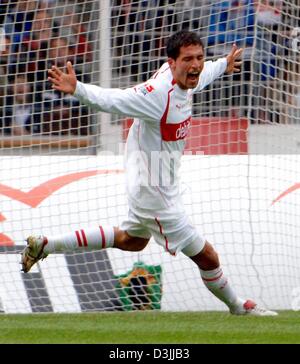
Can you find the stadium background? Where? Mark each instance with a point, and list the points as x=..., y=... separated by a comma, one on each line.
x=246, y=125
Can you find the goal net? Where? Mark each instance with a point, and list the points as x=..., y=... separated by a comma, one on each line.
x=61, y=162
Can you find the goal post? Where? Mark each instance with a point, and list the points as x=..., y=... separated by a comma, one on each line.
x=61, y=163
x=105, y=69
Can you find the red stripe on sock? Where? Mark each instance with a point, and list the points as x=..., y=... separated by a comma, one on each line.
x=78, y=238
x=212, y=279
x=85, y=243
x=102, y=236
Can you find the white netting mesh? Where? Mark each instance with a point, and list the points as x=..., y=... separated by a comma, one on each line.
x=254, y=116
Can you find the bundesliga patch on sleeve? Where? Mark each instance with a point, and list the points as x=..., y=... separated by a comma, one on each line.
x=144, y=88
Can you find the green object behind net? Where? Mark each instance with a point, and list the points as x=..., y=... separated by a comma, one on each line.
x=140, y=288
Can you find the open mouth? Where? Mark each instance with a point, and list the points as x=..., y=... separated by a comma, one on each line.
x=193, y=76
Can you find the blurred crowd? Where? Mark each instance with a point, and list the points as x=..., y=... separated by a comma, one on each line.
x=266, y=91
x=34, y=41
x=39, y=33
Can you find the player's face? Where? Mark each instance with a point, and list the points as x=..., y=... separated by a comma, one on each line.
x=187, y=67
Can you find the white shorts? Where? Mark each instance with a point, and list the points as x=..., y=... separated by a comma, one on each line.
x=174, y=233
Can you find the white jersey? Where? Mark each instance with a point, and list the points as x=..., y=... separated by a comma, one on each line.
x=156, y=140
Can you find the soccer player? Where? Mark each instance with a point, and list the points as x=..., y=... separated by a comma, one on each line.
x=161, y=108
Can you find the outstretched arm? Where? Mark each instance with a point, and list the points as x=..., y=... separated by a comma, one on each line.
x=137, y=101
x=61, y=81
x=213, y=70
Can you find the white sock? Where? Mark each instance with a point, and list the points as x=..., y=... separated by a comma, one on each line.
x=218, y=284
x=83, y=239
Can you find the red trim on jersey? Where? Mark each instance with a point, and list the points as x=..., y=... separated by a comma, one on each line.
x=102, y=236
x=173, y=82
x=85, y=243
x=165, y=70
x=78, y=238
x=173, y=132
x=163, y=120
x=160, y=72
x=155, y=75
x=161, y=232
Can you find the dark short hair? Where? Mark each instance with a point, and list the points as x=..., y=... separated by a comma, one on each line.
x=183, y=38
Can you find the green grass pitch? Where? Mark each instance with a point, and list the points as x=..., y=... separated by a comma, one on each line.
x=149, y=327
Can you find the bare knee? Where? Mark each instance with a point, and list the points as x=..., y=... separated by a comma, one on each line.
x=208, y=258
x=126, y=242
